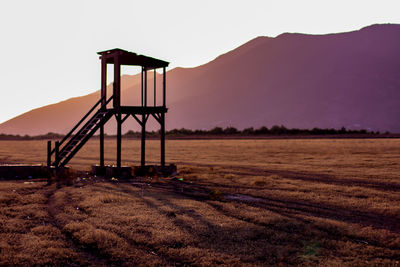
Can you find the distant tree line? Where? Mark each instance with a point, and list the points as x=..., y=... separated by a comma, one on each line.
x=217, y=131
x=274, y=130
x=47, y=136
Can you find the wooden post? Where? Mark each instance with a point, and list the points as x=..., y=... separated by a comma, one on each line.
x=143, y=143
x=57, y=153
x=103, y=105
x=103, y=83
x=48, y=154
x=117, y=105
x=102, y=146
x=162, y=139
x=141, y=86
x=145, y=87
x=119, y=123
x=164, y=87
x=117, y=84
x=155, y=91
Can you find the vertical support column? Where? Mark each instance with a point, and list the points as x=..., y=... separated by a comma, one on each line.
x=145, y=87
x=48, y=154
x=117, y=84
x=103, y=82
x=102, y=145
x=155, y=88
x=57, y=161
x=164, y=87
x=119, y=124
x=141, y=85
x=103, y=105
x=143, y=143
x=163, y=119
x=57, y=153
x=144, y=104
x=117, y=105
x=162, y=139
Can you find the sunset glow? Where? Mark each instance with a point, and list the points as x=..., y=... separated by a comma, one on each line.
x=49, y=48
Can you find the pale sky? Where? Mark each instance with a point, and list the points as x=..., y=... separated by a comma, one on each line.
x=49, y=47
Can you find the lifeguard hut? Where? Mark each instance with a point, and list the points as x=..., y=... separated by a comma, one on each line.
x=103, y=110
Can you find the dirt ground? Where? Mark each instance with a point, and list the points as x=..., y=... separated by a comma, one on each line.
x=234, y=202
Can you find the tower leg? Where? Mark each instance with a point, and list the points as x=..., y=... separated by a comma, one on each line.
x=102, y=146
x=162, y=134
x=119, y=123
x=143, y=152
x=48, y=154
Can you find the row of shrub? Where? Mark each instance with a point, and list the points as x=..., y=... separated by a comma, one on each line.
x=228, y=131
x=274, y=130
x=49, y=135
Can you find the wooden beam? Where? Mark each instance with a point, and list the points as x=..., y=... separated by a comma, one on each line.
x=137, y=119
x=145, y=88
x=48, y=153
x=164, y=88
x=117, y=84
x=57, y=161
x=155, y=91
x=157, y=117
x=102, y=146
x=124, y=119
x=103, y=83
x=141, y=85
x=119, y=123
x=143, y=142
x=103, y=104
x=162, y=136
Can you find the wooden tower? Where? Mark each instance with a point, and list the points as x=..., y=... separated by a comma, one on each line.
x=103, y=110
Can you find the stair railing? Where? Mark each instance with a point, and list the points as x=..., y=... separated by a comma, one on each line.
x=80, y=122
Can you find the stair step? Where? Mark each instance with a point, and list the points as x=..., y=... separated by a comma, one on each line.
x=87, y=129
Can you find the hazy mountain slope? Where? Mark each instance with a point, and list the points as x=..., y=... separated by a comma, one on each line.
x=347, y=79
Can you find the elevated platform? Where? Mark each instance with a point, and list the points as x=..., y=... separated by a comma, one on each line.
x=142, y=110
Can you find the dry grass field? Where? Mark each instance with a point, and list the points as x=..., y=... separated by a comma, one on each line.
x=325, y=202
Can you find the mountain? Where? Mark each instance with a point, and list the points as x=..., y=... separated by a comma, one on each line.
x=298, y=80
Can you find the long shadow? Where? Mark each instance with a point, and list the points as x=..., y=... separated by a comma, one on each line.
x=291, y=207
x=213, y=236
x=88, y=254
x=305, y=176
x=175, y=261
x=294, y=210
x=330, y=232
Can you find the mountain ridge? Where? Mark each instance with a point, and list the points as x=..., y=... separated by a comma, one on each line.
x=298, y=80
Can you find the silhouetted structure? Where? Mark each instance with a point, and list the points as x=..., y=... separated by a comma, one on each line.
x=72, y=142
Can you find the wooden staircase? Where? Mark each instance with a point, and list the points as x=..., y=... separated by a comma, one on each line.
x=72, y=143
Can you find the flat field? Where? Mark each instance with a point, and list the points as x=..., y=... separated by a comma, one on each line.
x=280, y=202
